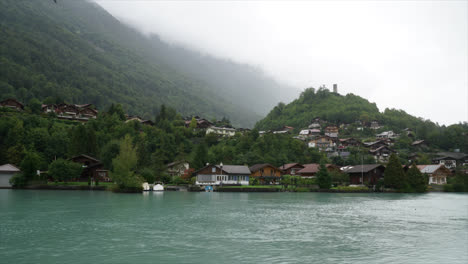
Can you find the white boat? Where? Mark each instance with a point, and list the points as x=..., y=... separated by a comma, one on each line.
x=146, y=187
x=158, y=188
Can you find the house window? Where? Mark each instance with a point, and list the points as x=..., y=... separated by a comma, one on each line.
x=213, y=169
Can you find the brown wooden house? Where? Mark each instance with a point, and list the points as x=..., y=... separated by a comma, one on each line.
x=365, y=174
x=310, y=170
x=291, y=168
x=92, y=168
x=12, y=103
x=266, y=173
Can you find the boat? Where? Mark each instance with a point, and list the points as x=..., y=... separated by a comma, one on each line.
x=158, y=188
x=146, y=187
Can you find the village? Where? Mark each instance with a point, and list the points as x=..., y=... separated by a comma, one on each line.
x=318, y=135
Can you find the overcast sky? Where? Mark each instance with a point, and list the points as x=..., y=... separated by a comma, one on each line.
x=410, y=55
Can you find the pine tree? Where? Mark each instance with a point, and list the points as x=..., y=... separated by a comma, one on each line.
x=324, y=180
x=416, y=179
x=394, y=174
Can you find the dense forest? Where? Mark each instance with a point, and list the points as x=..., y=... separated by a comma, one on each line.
x=75, y=51
x=356, y=111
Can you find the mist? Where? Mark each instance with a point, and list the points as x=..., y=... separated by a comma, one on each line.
x=404, y=55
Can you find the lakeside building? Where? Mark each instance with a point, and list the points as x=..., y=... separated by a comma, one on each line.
x=310, y=170
x=291, y=168
x=365, y=174
x=92, y=168
x=177, y=168
x=451, y=159
x=6, y=173
x=223, y=175
x=437, y=174
x=266, y=173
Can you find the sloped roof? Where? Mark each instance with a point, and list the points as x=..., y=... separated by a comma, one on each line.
x=417, y=142
x=289, y=165
x=256, y=167
x=429, y=169
x=454, y=155
x=9, y=168
x=362, y=168
x=312, y=168
x=235, y=169
x=86, y=156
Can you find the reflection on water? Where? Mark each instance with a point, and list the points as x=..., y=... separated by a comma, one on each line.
x=184, y=227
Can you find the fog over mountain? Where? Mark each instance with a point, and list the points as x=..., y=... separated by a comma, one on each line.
x=407, y=55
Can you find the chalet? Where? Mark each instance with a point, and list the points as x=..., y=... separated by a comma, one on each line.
x=310, y=170
x=13, y=104
x=80, y=112
x=451, y=159
x=376, y=144
x=139, y=120
x=266, y=173
x=419, y=144
x=223, y=174
x=331, y=131
x=288, y=128
x=375, y=125
x=322, y=143
x=350, y=142
x=381, y=154
x=387, y=134
x=408, y=132
x=437, y=174
x=291, y=168
x=177, y=168
x=367, y=174
x=315, y=125
x=92, y=168
x=201, y=122
x=87, y=113
x=49, y=108
x=6, y=173
x=221, y=131
x=243, y=130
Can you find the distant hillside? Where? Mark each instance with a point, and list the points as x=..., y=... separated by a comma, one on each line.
x=338, y=109
x=77, y=52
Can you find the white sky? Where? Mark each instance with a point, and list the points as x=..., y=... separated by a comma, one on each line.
x=410, y=55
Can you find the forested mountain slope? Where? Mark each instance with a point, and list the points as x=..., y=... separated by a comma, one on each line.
x=75, y=51
x=338, y=109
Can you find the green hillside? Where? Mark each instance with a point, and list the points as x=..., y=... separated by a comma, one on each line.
x=337, y=109
x=75, y=51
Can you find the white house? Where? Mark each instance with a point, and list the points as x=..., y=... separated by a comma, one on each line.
x=223, y=174
x=6, y=172
x=222, y=131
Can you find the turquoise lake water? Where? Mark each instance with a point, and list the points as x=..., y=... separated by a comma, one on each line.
x=181, y=227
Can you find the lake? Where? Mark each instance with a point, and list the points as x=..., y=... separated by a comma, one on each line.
x=38, y=226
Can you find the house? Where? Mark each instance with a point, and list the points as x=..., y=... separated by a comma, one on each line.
x=367, y=174
x=350, y=142
x=387, y=134
x=322, y=143
x=49, y=108
x=80, y=112
x=201, y=122
x=290, y=168
x=451, y=159
x=12, y=103
x=331, y=131
x=419, y=144
x=222, y=131
x=437, y=174
x=222, y=174
x=382, y=153
x=177, y=168
x=266, y=173
x=310, y=170
x=376, y=144
x=6, y=173
x=139, y=120
x=375, y=125
x=288, y=128
x=314, y=125
x=92, y=168
x=408, y=132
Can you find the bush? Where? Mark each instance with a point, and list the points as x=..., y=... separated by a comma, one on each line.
x=64, y=170
x=18, y=180
x=302, y=189
x=177, y=180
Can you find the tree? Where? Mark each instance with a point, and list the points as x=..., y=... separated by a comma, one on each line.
x=124, y=166
x=324, y=180
x=30, y=165
x=193, y=123
x=35, y=106
x=416, y=180
x=64, y=170
x=200, y=156
x=394, y=174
